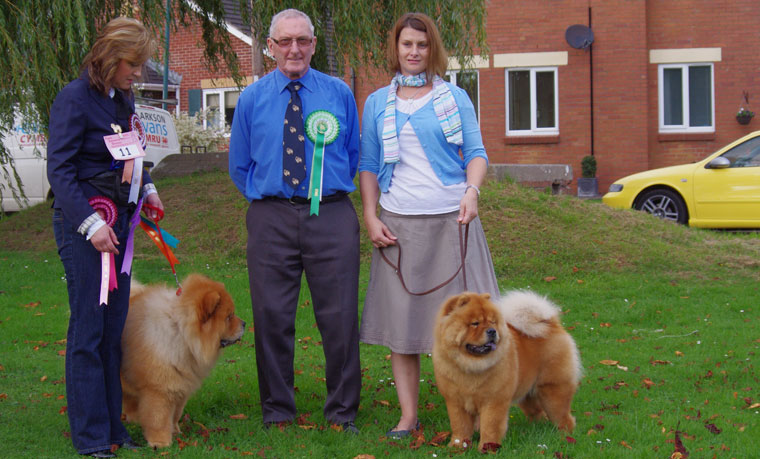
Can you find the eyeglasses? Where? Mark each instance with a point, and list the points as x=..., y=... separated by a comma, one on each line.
x=302, y=42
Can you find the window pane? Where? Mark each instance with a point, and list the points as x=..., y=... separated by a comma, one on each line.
x=519, y=100
x=545, y=99
x=700, y=103
x=469, y=82
x=746, y=154
x=673, y=96
x=213, y=108
x=230, y=101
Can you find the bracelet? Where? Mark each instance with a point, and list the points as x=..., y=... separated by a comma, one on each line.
x=477, y=190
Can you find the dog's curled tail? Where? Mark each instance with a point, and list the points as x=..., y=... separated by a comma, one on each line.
x=528, y=312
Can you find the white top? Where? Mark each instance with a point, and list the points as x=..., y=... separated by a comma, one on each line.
x=415, y=188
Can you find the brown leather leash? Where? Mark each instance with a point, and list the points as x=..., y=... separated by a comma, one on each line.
x=462, y=253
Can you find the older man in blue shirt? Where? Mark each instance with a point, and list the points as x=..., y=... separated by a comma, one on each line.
x=272, y=164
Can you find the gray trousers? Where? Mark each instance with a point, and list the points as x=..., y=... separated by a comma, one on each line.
x=284, y=242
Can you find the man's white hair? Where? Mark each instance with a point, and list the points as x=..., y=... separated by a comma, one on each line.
x=289, y=13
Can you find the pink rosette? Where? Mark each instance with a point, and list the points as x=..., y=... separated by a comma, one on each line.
x=107, y=211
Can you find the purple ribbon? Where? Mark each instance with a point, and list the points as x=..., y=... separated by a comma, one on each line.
x=126, y=266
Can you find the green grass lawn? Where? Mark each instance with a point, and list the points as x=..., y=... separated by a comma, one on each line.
x=665, y=317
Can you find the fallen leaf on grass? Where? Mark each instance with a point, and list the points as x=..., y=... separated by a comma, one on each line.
x=419, y=440
x=660, y=362
x=440, y=438
x=648, y=383
x=680, y=450
x=549, y=278
x=712, y=428
x=3, y=396
x=609, y=362
x=753, y=406
x=33, y=304
x=238, y=416
x=63, y=410
x=679, y=354
x=623, y=443
x=304, y=423
x=43, y=379
x=570, y=439
x=364, y=456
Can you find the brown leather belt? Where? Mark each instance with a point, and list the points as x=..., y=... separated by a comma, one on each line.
x=462, y=253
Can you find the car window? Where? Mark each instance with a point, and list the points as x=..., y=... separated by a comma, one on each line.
x=745, y=155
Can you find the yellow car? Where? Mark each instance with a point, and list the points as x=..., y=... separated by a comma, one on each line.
x=720, y=191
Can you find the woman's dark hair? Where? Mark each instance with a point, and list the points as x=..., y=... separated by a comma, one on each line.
x=438, y=60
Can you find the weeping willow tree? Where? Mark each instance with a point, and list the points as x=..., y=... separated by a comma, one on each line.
x=355, y=31
x=44, y=41
x=43, y=44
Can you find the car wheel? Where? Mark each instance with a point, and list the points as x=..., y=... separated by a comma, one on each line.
x=664, y=204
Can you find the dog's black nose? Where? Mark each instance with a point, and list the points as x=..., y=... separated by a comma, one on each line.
x=491, y=332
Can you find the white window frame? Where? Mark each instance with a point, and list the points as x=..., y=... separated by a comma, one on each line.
x=684, y=128
x=534, y=130
x=220, y=92
x=452, y=74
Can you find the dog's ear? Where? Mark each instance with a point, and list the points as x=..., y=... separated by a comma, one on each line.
x=455, y=302
x=209, y=303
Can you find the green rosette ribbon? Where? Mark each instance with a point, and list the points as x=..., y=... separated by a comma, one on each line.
x=322, y=127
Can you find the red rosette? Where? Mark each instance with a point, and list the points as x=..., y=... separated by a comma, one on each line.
x=136, y=124
x=105, y=208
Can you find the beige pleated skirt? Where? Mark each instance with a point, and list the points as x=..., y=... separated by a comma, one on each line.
x=430, y=254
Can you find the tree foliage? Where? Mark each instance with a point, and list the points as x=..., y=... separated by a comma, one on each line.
x=45, y=41
x=360, y=27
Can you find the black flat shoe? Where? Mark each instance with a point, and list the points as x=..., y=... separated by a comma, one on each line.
x=104, y=453
x=130, y=445
x=399, y=434
x=350, y=428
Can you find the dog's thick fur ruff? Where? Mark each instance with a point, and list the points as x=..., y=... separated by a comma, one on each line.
x=489, y=356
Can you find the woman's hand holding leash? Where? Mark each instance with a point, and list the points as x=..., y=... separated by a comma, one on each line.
x=379, y=234
x=468, y=206
x=155, y=203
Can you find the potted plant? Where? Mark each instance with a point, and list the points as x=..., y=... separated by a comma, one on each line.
x=588, y=186
x=744, y=115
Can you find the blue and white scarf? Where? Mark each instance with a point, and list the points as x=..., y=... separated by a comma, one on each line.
x=445, y=107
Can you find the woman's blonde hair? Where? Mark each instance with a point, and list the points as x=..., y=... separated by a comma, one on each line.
x=437, y=59
x=121, y=39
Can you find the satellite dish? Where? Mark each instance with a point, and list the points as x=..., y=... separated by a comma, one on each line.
x=579, y=36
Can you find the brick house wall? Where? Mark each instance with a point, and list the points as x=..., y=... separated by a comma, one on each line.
x=626, y=137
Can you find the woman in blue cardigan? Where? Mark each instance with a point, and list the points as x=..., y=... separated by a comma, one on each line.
x=422, y=161
x=92, y=212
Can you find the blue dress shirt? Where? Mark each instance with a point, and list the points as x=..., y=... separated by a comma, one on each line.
x=256, y=139
x=444, y=157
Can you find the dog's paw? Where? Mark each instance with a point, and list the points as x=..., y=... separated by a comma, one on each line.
x=459, y=443
x=489, y=447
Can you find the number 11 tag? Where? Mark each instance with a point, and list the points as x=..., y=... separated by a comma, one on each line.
x=124, y=146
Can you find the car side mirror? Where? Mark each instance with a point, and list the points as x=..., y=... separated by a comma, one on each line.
x=719, y=163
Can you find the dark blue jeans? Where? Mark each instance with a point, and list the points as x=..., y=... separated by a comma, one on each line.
x=93, y=345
